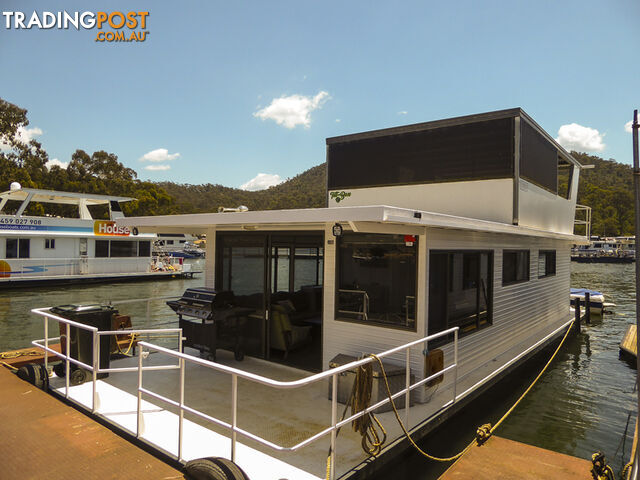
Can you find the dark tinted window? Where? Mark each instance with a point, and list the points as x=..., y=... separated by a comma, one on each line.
x=144, y=249
x=124, y=248
x=460, y=152
x=102, y=248
x=515, y=266
x=546, y=263
x=12, y=248
x=377, y=280
x=23, y=249
x=538, y=158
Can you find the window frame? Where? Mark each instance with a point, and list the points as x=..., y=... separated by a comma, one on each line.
x=547, y=253
x=369, y=322
x=49, y=243
x=516, y=279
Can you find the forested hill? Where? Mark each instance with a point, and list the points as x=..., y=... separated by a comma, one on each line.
x=608, y=190
x=306, y=190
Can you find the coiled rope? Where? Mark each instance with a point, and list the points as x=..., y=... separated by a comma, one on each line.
x=371, y=443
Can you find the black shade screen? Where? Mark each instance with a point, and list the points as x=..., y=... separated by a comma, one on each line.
x=538, y=159
x=473, y=151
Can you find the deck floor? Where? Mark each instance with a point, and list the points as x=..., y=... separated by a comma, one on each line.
x=509, y=460
x=40, y=437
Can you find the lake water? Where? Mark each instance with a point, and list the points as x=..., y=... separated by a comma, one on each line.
x=585, y=402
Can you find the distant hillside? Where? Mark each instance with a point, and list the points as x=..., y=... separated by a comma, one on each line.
x=608, y=190
x=306, y=190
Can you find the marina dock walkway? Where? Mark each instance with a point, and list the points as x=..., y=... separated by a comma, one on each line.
x=509, y=460
x=41, y=437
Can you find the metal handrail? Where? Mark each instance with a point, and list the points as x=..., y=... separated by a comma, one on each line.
x=94, y=368
x=586, y=221
x=365, y=303
x=332, y=373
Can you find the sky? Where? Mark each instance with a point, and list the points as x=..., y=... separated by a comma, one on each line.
x=245, y=93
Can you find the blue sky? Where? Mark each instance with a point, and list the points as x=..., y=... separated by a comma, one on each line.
x=222, y=91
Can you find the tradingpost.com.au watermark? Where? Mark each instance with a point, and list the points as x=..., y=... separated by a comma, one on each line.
x=111, y=26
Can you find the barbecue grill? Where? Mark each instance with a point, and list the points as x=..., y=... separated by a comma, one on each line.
x=211, y=320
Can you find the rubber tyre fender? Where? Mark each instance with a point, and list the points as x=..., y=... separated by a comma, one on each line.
x=35, y=374
x=213, y=468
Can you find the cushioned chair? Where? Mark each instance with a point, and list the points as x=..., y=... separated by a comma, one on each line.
x=286, y=336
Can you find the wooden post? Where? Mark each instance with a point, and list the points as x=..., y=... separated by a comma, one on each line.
x=577, y=315
x=587, y=307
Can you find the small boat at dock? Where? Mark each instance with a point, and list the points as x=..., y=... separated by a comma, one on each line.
x=596, y=299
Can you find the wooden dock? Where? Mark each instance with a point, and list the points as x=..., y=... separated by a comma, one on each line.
x=509, y=460
x=41, y=437
x=629, y=345
x=18, y=358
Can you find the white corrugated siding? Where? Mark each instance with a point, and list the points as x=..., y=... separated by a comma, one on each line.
x=521, y=311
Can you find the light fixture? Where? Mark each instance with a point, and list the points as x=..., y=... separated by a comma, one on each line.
x=337, y=230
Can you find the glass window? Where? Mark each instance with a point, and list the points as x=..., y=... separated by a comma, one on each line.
x=280, y=262
x=546, y=263
x=49, y=243
x=124, y=248
x=12, y=248
x=515, y=266
x=307, y=267
x=102, y=248
x=460, y=291
x=144, y=249
x=23, y=247
x=377, y=279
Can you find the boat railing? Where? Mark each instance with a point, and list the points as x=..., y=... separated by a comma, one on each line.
x=332, y=374
x=95, y=368
x=583, y=218
x=44, y=267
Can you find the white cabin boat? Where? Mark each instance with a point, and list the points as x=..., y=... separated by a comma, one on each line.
x=445, y=238
x=49, y=249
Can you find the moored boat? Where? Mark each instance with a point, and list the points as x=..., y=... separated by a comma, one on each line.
x=596, y=299
x=444, y=250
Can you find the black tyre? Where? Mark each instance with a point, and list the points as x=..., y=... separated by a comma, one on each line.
x=77, y=377
x=214, y=468
x=59, y=370
x=35, y=374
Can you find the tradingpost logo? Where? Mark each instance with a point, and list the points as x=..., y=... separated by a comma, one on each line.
x=110, y=26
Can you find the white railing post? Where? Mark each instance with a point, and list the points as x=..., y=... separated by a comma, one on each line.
x=46, y=343
x=234, y=415
x=139, y=413
x=181, y=414
x=407, y=398
x=455, y=361
x=68, y=363
x=94, y=373
x=334, y=420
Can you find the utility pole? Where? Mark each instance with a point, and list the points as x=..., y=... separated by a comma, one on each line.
x=636, y=188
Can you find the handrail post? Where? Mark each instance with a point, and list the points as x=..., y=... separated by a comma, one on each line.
x=67, y=363
x=46, y=342
x=96, y=356
x=139, y=413
x=234, y=415
x=334, y=420
x=407, y=398
x=455, y=361
x=181, y=417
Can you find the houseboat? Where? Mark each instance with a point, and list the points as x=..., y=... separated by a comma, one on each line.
x=36, y=248
x=444, y=249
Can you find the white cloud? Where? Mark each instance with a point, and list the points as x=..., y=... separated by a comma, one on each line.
x=24, y=135
x=338, y=120
x=579, y=138
x=402, y=112
x=262, y=181
x=157, y=167
x=292, y=110
x=54, y=162
x=627, y=126
x=159, y=155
